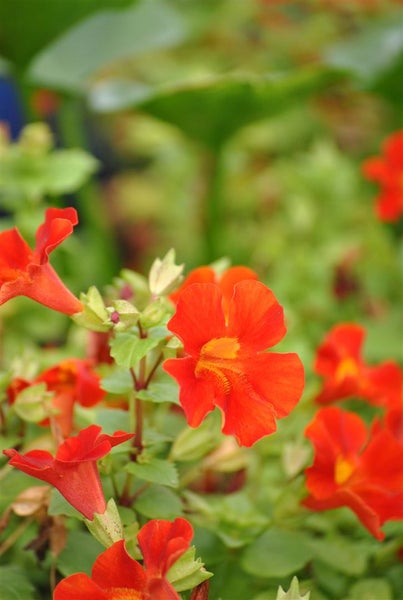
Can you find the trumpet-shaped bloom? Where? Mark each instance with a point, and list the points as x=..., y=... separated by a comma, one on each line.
x=355, y=468
x=117, y=576
x=26, y=272
x=387, y=170
x=339, y=361
x=73, y=471
x=225, y=363
x=72, y=381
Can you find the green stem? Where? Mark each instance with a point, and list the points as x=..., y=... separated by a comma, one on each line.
x=213, y=209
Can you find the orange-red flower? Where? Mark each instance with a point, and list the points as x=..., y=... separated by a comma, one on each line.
x=72, y=381
x=355, y=468
x=225, y=364
x=387, y=170
x=116, y=575
x=26, y=272
x=226, y=281
x=73, y=471
x=345, y=374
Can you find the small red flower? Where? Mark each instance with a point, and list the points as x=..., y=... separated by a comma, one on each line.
x=355, y=468
x=387, y=170
x=116, y=575
x=225, y=364
x=73, y=471
x=339, y=362
x=72, y=381
x=26, y=272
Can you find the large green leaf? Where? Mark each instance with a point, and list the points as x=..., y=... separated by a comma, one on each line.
x=211, y=109
x=277, y=553
x=103, y=38
x=374, y=56
x=14, y=584
x=158, y=502
x=27, y=26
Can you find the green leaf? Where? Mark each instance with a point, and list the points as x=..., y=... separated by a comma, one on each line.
x=68, y=170
x=157, y=470
x=374, y=56
x=161, y=391
x=79, y=553
x=342, y=555
x=118, y=382
x=127, y=349
x=14, y=584
x=293, y=593
x=193, y=443
x=187, y=572
x=158, y=502
x=59, y=506
x=371, y=589
x=70, y=60
x=277, y=553
x=224, y=103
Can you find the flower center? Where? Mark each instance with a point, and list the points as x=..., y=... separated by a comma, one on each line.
x=343, y=469
x=123, y=594
x=217, y=357
x=220, y=348
x=347, y=368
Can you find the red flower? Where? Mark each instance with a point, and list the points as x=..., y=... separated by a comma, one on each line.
x=116, y=575
x=71, y=381
x=225, y=364
x=226, y=281
x=387, y=170
x=73, y=471
x=355, y=468
x=26, y=272
x=345, y=374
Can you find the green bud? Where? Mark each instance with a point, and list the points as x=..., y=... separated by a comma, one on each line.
x=107, y=527
x=164, y=274
x=36, y=139
x=94, y=316
x=33, y=404
x=293, y=593
x=123, y=314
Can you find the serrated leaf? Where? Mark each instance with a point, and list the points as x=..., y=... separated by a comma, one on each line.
x=79, y=554
x=277, y=553
x=128, y=350
x=371, y=589
x=187, y=572
x=343, y=556
x=158, y=502
x=157, y=470
x=118, y=382
x=161, y=391
x=14, y=584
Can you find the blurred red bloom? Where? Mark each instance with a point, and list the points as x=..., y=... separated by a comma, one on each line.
x=72, y=380
x=339, y=362
x=387, y=170
x=355, y=468
x=116, y=575
x=226, y=281
x=73, y=471
x=26, y=272
x=225, y=364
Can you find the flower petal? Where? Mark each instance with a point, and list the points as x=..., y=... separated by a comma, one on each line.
x=115, y=568
x=195, y=395
x=255, y=317
x=58, y=225
x=162, y=543
x=199, y=316
x=79, y=587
